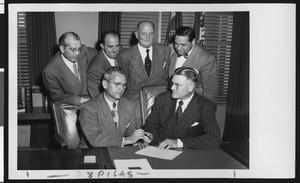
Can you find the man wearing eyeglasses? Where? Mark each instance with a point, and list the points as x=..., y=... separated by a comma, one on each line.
x=183, y=118
x=65, y=75
x=109, y=119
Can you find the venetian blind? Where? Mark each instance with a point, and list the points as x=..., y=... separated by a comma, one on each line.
x=218, y=35
x=23, y=64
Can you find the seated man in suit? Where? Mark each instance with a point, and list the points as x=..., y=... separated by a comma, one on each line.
x=145, y=64
x=186, y=53
x=65, y=79
x=183, y=118
x=106, y=57
x=65, y=75
x=109, y=119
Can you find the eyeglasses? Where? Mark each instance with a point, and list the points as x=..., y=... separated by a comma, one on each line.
x=178, y=85
x=73, y=50
x=118, y=84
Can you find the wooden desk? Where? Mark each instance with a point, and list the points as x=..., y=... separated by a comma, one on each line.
x=73, y=159
x=38, y=113
x=56, y=159
x=188, y=159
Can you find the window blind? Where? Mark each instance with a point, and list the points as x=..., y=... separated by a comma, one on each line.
x=23, y=64
x=217, y=40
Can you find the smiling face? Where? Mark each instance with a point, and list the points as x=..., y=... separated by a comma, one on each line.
x=115, y=87
x=71, y=49
x=181, y=87
x=111, y=45
x=182, y=44
x=145, y=34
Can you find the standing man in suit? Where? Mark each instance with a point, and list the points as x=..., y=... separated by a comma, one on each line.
x=186, y=53
x=183, y=118
x=65, y=79
x=145, y=64
x=109, y=119
x=65, y=75
x=110, y=46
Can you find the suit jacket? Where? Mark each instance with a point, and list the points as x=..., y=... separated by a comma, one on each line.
x=61, y=83
x=196, y=128
x=95, y=72
x=98, y=125
x=205, y=63
x=132, y=64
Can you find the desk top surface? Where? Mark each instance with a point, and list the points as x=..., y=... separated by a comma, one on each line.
x=73, y=159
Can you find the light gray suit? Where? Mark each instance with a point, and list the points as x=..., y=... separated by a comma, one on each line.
x=97, y=122
x=205, y=63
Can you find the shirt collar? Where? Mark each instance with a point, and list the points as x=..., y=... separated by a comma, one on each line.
x=110, y=103
x=109, y=59
x=142, y=49
x=186, y=101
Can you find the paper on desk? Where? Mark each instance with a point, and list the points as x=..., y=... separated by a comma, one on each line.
x=158, y=153
x=132, y=164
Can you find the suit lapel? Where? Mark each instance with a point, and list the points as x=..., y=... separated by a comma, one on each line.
x=192, y=60
x=67, y=75
x=106, y=117
x=187, y=118
x=137, y=63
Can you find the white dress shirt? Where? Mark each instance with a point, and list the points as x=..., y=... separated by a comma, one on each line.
x=144, y=53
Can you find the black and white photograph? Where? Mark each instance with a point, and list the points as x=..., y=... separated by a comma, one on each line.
x=118, y=91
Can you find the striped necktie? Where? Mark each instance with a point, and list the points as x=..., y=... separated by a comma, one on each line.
x=76, y=72
x=115, y=114
x=179, y=110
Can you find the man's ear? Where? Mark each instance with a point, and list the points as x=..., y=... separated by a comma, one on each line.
x=61, y=48
x=102, y=46
x=104, y=84
x=136, y=33
x=191, y=87
x=193, y=42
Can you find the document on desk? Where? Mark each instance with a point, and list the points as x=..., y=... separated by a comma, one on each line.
x=132, y=164
x=159, y=153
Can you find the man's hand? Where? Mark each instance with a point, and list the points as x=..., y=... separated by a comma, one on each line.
x=148, y=137
x=167, y=144
x=137, y=134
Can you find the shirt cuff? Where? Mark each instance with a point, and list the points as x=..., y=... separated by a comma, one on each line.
x=179, y=143
x=122, y=145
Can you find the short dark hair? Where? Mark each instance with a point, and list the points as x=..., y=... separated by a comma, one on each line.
x=145, y=21
x=185, y=31
x=108, y=73
x=105, y=33
x=190, y=73
x=62, y=38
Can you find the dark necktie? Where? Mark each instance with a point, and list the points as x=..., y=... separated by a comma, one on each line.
x=179, y=110
x=148, y=63
x=186, y=56
x=76, y=72
x=115, y=114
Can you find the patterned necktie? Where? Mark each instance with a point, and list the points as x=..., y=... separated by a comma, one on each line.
x=115, y=114
x=76, y=72
x=148, y=63
x=179, y=110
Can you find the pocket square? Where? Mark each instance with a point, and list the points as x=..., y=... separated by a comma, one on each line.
x=164, y=65
x=195, y=124
x=127, y=125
